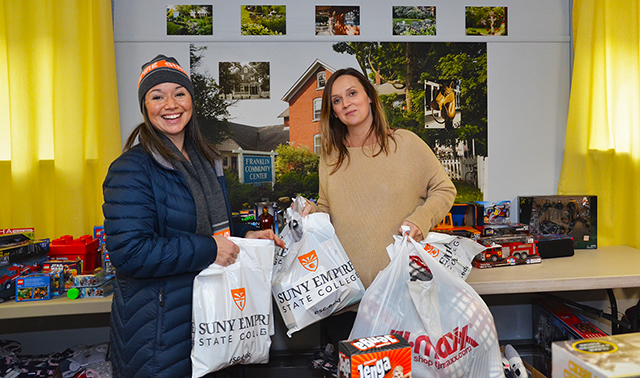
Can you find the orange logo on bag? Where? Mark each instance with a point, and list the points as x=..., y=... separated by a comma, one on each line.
x=239, y=297
x=431, y=250
x=309, y=261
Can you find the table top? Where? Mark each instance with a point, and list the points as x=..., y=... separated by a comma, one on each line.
x=589, y=269
x=602, y=268
x=57, y=306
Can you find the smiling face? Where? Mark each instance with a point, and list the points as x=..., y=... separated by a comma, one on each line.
x=169, y=107
x=350, y=102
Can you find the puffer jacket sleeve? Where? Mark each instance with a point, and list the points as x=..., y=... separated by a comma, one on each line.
x=140, y=242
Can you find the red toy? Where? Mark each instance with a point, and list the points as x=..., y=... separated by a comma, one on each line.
x=84, y=247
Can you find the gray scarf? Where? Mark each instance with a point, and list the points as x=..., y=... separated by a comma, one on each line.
x=211, y=206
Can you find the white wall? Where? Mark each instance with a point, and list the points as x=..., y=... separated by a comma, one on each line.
x=528, y=70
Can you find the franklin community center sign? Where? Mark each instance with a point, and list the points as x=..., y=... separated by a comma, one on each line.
x=256, y=167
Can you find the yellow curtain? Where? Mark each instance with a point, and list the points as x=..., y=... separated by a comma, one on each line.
x=602, y=150
x=59, y=120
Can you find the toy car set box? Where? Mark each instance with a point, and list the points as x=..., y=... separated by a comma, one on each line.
x=554, y=321
x=84, y=247
x=574, y=216
x=496, y=212
x=19, y=255
x=602, y=357
x=377, y=356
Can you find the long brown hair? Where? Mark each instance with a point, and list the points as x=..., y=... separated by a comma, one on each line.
x=149, y=138
x=334, y=132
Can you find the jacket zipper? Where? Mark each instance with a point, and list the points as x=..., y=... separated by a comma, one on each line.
x=160, y=315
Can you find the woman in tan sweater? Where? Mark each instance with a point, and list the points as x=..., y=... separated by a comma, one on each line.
x=373, y=179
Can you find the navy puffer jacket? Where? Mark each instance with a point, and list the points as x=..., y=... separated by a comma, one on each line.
x=150, y=223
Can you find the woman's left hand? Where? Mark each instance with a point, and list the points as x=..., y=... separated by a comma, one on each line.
x=265, y=234
x=414, y=231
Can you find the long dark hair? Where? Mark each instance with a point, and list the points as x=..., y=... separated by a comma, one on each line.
x=149, y=138
x=334, y=132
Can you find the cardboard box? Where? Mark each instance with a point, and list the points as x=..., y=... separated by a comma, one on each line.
x=95, y=278
x=534, y=373
x=19, y=255
x=376, y=356
x=564, y=215
x=553, y=321
x=602, y=357
x=103, y=290
x=39, y=286
x=69, y=269
x=28, y=232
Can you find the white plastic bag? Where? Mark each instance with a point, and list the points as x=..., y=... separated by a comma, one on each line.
x=233, y=310
x=315, y=277
x=449, y=326
x=456, y=253
x=291, y=232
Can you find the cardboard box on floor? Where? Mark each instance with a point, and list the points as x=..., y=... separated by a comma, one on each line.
x=602, y=357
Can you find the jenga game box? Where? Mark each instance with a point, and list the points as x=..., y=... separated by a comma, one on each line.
x=384, y=356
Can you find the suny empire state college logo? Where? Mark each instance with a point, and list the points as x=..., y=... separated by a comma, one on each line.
x=309, y=261
x=239, y=297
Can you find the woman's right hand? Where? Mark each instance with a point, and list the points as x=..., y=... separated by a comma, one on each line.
x=227, y=251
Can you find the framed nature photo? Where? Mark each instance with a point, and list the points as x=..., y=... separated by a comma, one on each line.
x=414, y=20
x=263, y=20
x=486, y=21
x=189, y=19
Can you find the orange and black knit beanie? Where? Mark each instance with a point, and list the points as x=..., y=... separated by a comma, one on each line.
x=162, y=69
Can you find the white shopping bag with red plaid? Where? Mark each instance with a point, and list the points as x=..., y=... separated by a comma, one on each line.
x=233, y=311
x=448, y=325
x=315, y=277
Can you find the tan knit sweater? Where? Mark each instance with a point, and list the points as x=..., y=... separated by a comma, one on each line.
x=369, y=197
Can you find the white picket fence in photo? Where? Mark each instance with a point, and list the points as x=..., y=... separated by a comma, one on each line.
x=471, y=170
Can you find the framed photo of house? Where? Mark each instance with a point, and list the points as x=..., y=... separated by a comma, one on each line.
x=244, y=80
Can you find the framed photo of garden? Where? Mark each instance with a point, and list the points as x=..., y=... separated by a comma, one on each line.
x=189, y=19
x=414, y=20
x=486, y=21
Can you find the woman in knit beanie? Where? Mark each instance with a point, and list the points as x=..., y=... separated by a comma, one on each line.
x=167, y=217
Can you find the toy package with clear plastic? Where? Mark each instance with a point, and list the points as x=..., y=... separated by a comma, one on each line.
x=575, y=216
x=450, y=328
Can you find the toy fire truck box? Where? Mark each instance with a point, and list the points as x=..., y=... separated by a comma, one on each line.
x=84, y=247
x=19, y=255
x=39, y=286
x=102, y=290
x=564, y=215
x=506, y=250
x=69, y=269
x=554, y=321
x=377, y=356
x=602, y=357
x=95, y=278
x=28, y=232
